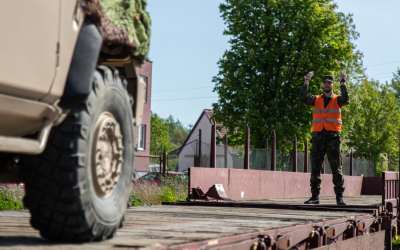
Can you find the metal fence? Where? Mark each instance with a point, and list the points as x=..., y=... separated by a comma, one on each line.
x=260, y=159
x=173, y=162
x=197, y=153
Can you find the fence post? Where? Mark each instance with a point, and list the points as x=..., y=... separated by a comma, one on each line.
x=160, y=164
x=294, y=154
x=305, y=155
x=273, y=153
x=189, y=194
x=226, y=151
x=213, y=156
x=370, y=165
x=266, y=155
x=282, y=157
x=351, y=162
x=246, y=147
x=164, y=162
x=200, y=151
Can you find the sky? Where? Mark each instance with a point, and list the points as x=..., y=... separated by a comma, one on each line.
x=187, y=41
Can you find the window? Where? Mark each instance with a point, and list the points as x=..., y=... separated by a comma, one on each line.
x=144, y=79
x=141, y=136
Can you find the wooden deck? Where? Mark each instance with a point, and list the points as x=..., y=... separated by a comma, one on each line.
x=161, y=226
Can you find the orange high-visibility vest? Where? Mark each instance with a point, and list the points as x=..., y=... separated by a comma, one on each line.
x=329, y=118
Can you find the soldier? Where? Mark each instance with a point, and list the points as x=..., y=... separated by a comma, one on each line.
x=326, y=139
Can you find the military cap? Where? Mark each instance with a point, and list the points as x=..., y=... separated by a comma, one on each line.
x=327, y=78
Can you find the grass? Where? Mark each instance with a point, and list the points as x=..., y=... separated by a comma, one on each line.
x=396, y=244
x=171, y=189
x=11, y=197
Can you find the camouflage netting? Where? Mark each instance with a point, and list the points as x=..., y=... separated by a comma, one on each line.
x=122, y=22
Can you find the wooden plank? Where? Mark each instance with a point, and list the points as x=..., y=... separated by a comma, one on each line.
x=157, y=226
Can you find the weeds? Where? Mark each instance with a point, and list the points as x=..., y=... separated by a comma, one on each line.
x=395, y=244
x=11, y=197
x=171, y=189
x=145, y=193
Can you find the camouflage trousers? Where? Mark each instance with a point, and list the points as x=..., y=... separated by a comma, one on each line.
x=330, y=146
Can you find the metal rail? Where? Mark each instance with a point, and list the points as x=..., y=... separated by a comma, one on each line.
x=380, y=219
x=373, y=209
x=311, y=236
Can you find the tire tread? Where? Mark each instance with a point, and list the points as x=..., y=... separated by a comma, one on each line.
x=54, y=194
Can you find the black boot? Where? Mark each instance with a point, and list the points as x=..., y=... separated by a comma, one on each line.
x=339, y=200
x=313, y=200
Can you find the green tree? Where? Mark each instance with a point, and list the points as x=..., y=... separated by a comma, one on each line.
x=396, y=84
x=376, y=120
x=159, y=135
x=177, y=136
x=273, y=44
x=177, y=131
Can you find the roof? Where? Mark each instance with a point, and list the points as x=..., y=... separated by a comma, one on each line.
x=220, y=130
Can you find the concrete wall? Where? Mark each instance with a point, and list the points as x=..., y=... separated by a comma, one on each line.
x=261, y=184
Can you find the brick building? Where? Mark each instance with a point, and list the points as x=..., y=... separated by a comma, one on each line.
x=142, y=139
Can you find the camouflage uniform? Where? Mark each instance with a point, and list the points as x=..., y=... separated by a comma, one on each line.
x=325, y=142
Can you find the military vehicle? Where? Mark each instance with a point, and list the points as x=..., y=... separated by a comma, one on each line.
x=70, y=99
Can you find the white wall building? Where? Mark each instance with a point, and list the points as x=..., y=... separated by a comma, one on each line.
x=189, y=151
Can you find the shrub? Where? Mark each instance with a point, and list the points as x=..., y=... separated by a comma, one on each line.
x=175, y=186
x=11, y=197
x=171, y=189
x=145, y=193
x=396, y=244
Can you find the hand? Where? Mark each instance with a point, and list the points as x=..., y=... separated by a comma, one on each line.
x=307, y=78
x=343, y=75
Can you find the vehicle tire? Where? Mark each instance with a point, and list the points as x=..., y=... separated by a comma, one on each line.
x=78, y=188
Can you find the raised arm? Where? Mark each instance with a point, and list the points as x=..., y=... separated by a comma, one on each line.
x=344, y=98
x=304, y=98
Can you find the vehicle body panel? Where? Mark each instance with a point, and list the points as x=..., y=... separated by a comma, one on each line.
x=28, y=47
x=71, y=20
x=32, y=65
x=35, y=59
x=21, y=116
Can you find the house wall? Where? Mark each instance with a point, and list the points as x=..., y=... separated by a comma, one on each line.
x=142, y=163
x=186, y=155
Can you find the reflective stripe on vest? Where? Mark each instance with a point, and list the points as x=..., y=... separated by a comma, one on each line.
x=326, y=120
x=332, y=120
x=329, y=118
x=333, y=111
x=327, y=111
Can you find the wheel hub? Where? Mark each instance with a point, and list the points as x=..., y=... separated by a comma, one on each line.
x=107, y=155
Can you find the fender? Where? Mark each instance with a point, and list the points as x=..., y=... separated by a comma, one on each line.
x=83, y=64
